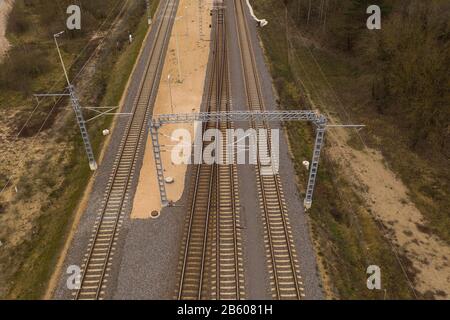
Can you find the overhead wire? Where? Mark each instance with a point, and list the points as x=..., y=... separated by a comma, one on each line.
x=33, y=139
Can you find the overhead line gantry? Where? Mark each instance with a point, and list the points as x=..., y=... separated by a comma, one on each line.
x=318, y=120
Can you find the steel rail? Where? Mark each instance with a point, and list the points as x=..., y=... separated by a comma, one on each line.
x=196, y=293
x=101, y=247
x=213, y=256
x=267, y=184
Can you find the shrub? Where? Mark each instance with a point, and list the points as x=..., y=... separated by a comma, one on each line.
x=24, y=64
x=18, y=21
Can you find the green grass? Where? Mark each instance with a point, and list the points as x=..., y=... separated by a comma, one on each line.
x=349, y=240
x=121, y=72
x=40, y=255
x=425, y=174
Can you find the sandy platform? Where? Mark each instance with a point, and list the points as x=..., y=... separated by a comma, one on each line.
x=5, y=8
x=187, y=91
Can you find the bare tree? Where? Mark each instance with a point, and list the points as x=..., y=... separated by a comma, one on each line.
x=320, y=10
x=325, y=15
x=287, y=30
x=309, y=13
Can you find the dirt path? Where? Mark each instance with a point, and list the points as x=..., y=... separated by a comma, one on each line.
x=386, y=197
x=5, y=8
x=388, y=200
x=186, y=97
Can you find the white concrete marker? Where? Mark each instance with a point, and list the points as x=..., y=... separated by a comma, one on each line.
x=306, y=164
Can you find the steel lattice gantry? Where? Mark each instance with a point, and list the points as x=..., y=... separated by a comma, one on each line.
x=83, y=130
x=240, y=116
x=293, y=115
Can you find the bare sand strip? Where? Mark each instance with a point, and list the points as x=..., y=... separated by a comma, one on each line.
x=388, y=200
x=5, y=9
x=186, y=97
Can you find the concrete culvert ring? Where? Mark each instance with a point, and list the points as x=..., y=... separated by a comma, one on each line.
x=154, y=214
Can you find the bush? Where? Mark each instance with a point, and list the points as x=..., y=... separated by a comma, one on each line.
x=24, y=64
x=18, y=21
x=3, y=180
x=24, y=189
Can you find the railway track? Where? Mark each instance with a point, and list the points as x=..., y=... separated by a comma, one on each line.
x=97, y=261
x=282, y=259
x=211, y=260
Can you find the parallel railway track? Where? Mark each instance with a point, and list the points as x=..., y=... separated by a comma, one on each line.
x=211, y=260
x=211, y=265
x=98, y=259
x=282, y=258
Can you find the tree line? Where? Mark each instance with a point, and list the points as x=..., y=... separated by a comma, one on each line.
x=31, y=25
x=409, y=58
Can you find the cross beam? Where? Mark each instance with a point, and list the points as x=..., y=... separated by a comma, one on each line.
x=294, y=115
x=240, y=116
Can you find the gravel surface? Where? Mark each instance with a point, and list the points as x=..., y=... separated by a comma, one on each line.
x=257, y=284
x=254, y=252
x=85, y=227
x=152, y=250
x=146, y=261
